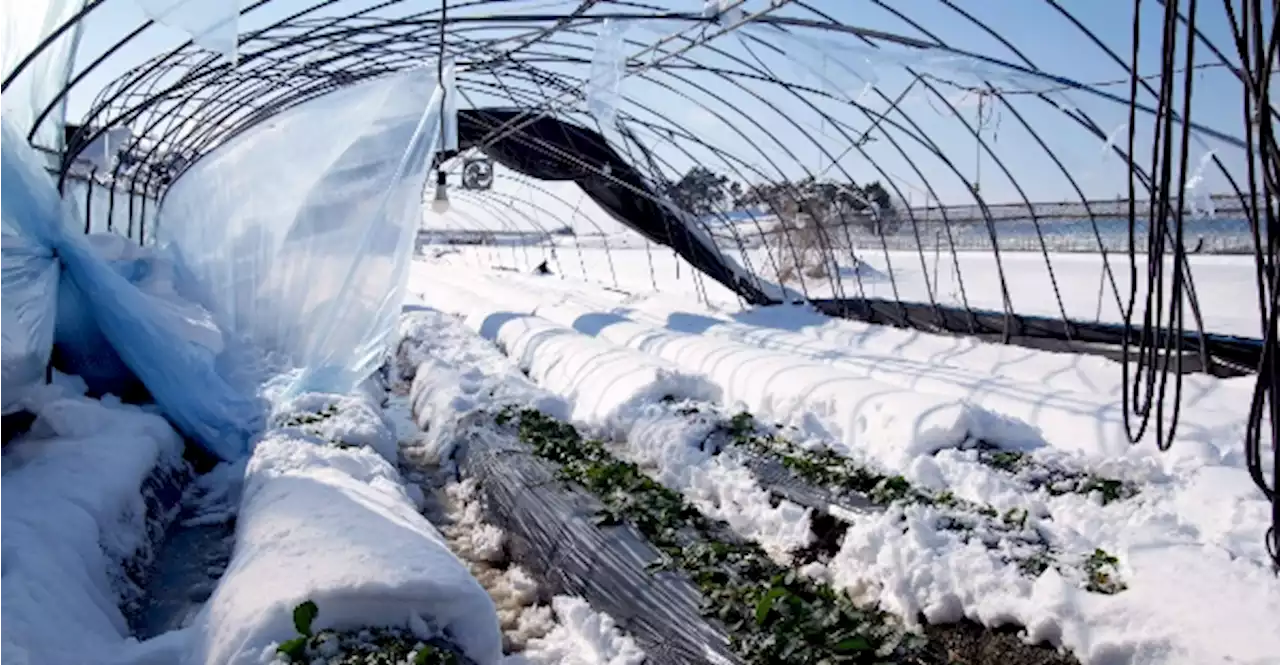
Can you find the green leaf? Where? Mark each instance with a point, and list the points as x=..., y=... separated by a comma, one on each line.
x=295, y=648
x=856, y=643
x=303, y=615
x=424, y=655
x=766, y=603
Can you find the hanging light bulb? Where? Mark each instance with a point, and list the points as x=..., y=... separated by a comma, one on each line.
x=440, y=202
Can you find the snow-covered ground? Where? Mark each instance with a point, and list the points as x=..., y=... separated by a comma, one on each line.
x=1225, y=286
x=1189, y=543
x=457, y=376
x=75, y=523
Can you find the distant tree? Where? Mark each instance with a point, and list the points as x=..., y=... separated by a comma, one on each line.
x=735, y=194
x=701, y=191
x=810, y=214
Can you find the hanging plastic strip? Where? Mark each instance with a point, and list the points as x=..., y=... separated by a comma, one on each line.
x=213, y=25
x=608, y=66
x=449, y=83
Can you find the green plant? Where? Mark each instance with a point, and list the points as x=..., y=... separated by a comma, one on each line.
x=1102, y=569
x=772, y=614
x=1055, y=480
x=374, y=646
x=826, y=468
x=303, y=615
x=303, y=418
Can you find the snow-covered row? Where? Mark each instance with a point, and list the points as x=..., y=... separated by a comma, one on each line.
x=601, y=382
x=324, y=517
x=633, y=398
x=1078, y=373
x=670, y=447
x=1190, y=540
x=1084, y=425
x=454, y=374
x=891, y=424
x=74, y=518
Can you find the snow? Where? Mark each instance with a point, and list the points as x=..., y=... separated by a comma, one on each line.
x=323, y=514
x=334, y=524
x=355, y=421
x=669, y=446
x=582, y=636
x=74, y=517
x=1189, y=544
x=891, y=424
x=633, y=399
x=603, y=383
x=627, y=262
x=457, y=372
x=444, y=396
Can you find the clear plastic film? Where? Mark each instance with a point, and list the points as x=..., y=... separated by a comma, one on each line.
x=822, y=64
x=301, y=230
x=212, y=24
x=29, y=305
x=26, y=23
x=449, y=82
x=608, y=67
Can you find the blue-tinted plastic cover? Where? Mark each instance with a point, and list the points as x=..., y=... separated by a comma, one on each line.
x=148, y=333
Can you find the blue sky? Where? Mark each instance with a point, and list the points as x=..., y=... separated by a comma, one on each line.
x=803, y=142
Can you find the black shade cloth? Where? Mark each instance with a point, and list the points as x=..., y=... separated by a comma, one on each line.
x=547, y=148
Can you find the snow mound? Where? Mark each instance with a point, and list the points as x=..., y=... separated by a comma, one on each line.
x=334, y=524
x=582, y=636
x=890, y=424
x=605, y=384
x=433, y=349
x=75, y=518
x=342, y=419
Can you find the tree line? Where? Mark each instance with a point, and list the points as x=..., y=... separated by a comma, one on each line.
x=796, y=204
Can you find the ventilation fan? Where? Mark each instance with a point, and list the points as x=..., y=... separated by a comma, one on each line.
x=477, y=174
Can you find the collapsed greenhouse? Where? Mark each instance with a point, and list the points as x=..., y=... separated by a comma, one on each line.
x=657, y=331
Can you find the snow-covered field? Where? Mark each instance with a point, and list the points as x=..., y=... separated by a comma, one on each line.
x=1185, y=533
x=1083, y=287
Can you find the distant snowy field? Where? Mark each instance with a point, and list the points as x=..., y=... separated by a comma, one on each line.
x=1225, y=285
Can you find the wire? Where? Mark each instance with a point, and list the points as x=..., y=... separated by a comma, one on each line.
x=1258, y=53
x=1169, y=292
x=1004, y=92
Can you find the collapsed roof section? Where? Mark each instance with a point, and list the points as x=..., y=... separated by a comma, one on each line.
x=548, y=148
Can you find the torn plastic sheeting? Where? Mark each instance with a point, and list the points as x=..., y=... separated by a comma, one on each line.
x=213, y=25
x=847, y=75
x=450, y=81
x=30, y=285
x=180, y=374
x=81, y=349
x=300, y=231
x=608, y=66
